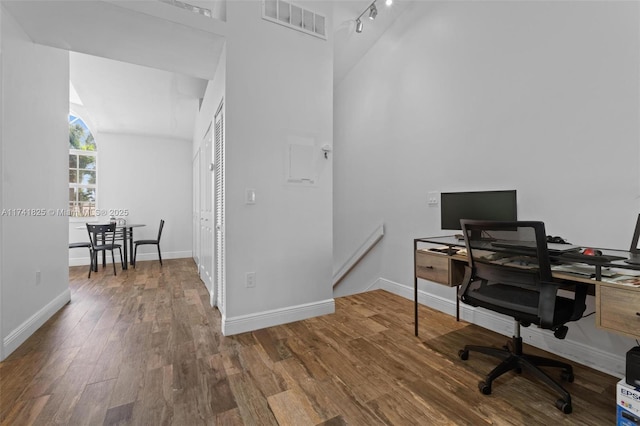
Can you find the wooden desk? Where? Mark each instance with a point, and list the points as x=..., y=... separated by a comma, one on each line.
x=617, y=305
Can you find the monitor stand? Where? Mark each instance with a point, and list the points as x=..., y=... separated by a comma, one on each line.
x=479, y=236
x=634, y=259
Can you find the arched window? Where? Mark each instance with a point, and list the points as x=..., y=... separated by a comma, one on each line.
x=83, y=169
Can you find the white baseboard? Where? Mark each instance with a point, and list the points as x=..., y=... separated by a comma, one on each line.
x=168, y=255
x=81, y=261
x=244, y=323
x=27, y=328
x=581, y=353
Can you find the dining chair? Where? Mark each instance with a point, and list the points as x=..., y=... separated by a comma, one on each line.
x=83, y=244
x=155, y=242
x=102, y=238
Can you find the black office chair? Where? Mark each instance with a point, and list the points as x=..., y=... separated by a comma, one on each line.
x=154, y=242
x=102, y=238
x=509, y=272
x=83, y=244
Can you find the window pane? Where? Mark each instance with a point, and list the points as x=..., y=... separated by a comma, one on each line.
x=296, y=16
x=87, y=177
x=82, y=169
x=86, y=209
x=308, y=20
x=283, y=9
x=87, y=162
x=270, y=8
x=319, y=24
x=87, y=194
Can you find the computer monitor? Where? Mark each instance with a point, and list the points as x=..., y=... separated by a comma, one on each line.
x=477, y=205
x=634, y=250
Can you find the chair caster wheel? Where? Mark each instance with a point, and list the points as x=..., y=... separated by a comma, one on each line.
x=564, y=406
x=567, y=376
x=485, y=389
x=464, y=355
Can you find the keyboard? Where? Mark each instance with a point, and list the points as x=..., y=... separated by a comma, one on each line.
x=586, y=270
x=579, y=257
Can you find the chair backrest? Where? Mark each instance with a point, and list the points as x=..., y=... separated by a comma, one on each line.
x=160, y=229
x=98, y=232
x=509, y=271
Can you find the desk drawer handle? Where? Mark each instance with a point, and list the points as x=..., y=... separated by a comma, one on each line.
x=431, y=267
x=638, y=314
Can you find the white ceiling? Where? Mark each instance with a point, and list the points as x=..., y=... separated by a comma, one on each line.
x=149, y=33
x=138, y=67
x=141, y=66
x=118, y=97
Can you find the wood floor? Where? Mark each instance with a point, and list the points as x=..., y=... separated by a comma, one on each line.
x=143, y=348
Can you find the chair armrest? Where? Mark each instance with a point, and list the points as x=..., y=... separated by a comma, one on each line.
x=547, y=304
x=466, y=280
x=579, y=301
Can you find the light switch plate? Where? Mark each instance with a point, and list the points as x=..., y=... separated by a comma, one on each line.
x=433, y=199
x=250, y=197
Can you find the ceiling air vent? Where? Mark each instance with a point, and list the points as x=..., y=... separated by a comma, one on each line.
x=294, y=16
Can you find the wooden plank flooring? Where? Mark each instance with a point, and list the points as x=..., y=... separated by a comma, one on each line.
x=143, y=348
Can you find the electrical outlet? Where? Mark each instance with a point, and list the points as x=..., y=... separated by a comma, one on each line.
x=251, y=279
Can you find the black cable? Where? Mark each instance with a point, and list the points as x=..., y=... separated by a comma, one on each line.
x=584, y=316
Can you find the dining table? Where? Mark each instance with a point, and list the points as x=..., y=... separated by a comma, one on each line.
x=124, y=232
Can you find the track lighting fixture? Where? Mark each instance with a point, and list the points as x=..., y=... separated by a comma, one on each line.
x=373, y=11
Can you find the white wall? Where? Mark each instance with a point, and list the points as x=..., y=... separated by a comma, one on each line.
x=151, y=178
x=35, y=134
x=279, y=89
x=542, y=97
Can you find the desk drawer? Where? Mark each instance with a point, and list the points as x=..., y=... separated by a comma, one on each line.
x=618, y=309
x=433, y=267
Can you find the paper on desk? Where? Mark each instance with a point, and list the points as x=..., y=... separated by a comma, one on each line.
x=630, y=280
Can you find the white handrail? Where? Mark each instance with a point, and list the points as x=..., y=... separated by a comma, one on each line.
x=371, y=241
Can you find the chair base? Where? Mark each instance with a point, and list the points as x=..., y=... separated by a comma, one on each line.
x=139, y=243
x=513, y=359
x=94, y=260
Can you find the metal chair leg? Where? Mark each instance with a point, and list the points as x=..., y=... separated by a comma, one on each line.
x=113, y=260
x=135, y=253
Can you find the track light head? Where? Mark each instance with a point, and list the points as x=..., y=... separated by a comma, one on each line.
x=359, y=26
x=388, y=2
x=373, y=11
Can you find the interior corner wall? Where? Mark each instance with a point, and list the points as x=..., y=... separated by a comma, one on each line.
x=35, y=134
x=279, y=91
x=541, y=97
